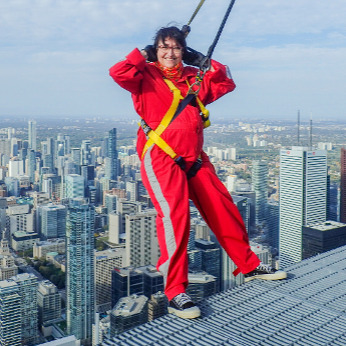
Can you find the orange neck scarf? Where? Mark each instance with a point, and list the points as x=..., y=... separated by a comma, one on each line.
x=173, y=73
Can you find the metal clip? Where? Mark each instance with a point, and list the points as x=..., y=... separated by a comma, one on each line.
x=199, y=79
x=145, y=127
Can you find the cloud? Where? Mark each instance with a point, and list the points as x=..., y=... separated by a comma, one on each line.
x=282, y=48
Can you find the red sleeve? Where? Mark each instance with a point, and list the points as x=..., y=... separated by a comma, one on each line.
x=128, y=73
x=216, y=83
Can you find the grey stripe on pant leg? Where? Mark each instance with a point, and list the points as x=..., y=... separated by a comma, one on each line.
x=167, y=222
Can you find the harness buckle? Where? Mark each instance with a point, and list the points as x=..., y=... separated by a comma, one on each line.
x=180, y=162
x=145, y=127
x=195, y=168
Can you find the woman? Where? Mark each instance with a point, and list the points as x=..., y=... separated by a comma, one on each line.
x=168, y=178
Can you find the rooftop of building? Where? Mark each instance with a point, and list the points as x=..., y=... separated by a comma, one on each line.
x=6, y=283
x=200, y=278
x=308, y=308
x=327, y=225
x=109, y=253
x=150, y=270
x=49, y=242
x=128, y=306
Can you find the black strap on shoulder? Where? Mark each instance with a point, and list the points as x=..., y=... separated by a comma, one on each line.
x=187, y=99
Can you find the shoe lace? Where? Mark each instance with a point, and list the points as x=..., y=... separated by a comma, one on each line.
x=265, y=267
x=181, y=299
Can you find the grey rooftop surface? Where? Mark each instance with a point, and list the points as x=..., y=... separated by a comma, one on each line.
x=308, y=308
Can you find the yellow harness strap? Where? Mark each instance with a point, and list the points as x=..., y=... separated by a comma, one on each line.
x=204, y=111
x=154, y=135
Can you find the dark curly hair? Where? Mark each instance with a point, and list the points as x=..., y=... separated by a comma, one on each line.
x=170, y=32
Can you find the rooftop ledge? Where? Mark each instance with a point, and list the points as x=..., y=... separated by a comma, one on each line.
x=308, y=308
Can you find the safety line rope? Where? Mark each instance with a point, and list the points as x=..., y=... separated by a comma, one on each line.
x=196, y=11
x=222, y=25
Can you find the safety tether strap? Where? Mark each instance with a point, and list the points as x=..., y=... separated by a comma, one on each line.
x=154, y=135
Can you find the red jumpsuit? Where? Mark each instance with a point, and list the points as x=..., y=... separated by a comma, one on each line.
x=166, y=182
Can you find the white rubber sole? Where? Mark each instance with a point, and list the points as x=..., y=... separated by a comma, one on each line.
x=189, y=313
x=279, y=275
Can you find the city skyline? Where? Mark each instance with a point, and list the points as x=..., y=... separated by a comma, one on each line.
x=70, y=175
x=283, y=57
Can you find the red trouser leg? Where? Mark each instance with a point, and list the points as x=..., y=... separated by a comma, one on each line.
x=167, y=186
x=216, y=206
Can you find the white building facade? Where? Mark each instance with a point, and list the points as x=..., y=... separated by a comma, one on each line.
x=303, y=198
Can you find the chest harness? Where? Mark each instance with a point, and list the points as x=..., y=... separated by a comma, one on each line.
x=154, y=136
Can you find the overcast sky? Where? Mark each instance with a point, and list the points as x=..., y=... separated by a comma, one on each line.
x=284, y=55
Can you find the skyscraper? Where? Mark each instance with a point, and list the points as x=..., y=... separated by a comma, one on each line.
x=27, y=290
x=32, y=134
x=80, y=260
x=85, y=153
x=303, y=198
x=74, y=186
x=53, y=221
x=343, y=186
x=260, y=186
x=141, y=239
x=31, y=165
x=10, y=314
x=106, y=261
x=112, y=155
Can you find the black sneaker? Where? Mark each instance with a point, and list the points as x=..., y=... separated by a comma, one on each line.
x=183, y=307
x=265, y=272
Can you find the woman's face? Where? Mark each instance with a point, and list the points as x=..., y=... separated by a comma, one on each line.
x=169, y=53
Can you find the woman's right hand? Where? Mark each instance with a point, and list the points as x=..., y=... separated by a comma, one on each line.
x=149, y=53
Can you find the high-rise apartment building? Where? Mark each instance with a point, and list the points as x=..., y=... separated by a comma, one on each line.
x=27, y=290
x=343, y=186
x=74, y=186
x=125, y=207
x=260, y=186
x=105, y=262
x=85, y=153
x=141, y=239
x=32, y=134
x=31, y=165
x=132, y=190
x=111, y=159
x=10, y=314
x=110, y=202
x=20, y=218
x=80, y=260
x=53, y=221
x=48, y=301
x=303, y=198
